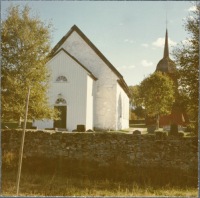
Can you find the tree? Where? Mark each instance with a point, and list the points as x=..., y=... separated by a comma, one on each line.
x=134, y=93
x=25, y=44
x=134, y=107
x=156, y=94
x=186, y=56
x=139, y=112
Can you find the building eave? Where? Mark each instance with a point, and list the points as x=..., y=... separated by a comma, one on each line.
x=75, y=28
x=88, y=71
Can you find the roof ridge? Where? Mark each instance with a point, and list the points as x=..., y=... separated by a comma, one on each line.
x=62, y=49
x=84, y=37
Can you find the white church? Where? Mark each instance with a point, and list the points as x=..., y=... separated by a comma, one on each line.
x=85, y=87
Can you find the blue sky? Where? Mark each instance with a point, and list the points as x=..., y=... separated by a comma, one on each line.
x=130, y=34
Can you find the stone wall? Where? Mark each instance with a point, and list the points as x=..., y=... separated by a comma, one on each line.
x=106, y=148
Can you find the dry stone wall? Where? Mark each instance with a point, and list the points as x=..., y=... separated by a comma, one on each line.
x=106, y=148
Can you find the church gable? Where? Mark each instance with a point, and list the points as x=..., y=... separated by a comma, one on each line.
x=60, y=51
x=77, y=44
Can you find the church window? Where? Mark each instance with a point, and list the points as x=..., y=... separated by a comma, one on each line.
x=61, y=79
x=61, y=101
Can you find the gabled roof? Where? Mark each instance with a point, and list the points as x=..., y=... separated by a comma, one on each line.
x=75, y=28
x=89, y=72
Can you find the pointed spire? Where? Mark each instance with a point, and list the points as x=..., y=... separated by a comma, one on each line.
x=166, y=49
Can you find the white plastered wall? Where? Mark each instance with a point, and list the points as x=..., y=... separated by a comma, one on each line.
x=122, y=108
x=90, y=104
x=74, y=91
x=105, y=86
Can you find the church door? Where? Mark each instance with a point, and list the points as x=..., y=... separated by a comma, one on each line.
x=63, y=117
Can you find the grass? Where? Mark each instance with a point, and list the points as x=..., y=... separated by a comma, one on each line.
x=121, y=131
x=59, y=177
x=14, y=124
x=138, y=125
x=56, y=185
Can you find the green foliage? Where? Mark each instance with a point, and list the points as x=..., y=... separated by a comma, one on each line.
x=25, y=44
x=139, y=112
x=135, y=108
x=156, y=94
x=186, y=56
x=134, y=93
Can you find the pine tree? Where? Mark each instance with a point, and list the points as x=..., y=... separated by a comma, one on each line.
x=25, y=44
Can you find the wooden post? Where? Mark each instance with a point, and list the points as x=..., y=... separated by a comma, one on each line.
x=22, y=143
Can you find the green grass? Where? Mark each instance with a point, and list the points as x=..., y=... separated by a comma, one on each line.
x=138, y=126
x=14, y=124
x=56, y=185
x=59, y=177
x=121, y=131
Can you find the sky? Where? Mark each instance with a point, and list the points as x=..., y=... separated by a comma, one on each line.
x=130, y=34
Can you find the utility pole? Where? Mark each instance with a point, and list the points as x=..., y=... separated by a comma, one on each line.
x=22, y=143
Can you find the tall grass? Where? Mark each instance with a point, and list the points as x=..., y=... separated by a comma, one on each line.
x=60, y=177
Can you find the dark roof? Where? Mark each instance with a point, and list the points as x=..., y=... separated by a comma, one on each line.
x=166, y=65
x=90, y=73
x=75, y=28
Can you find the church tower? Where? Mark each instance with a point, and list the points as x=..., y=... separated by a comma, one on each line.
x=166, y=65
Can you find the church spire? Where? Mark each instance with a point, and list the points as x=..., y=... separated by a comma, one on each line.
x=166, y=49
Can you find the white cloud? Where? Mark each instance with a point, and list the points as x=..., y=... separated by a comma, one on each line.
x=145, y=45
x=153, y=48
x=193, y=8
x=121, y=24
x=127, y=40
x=146, y=64
x=161, y=41
x=126, y=67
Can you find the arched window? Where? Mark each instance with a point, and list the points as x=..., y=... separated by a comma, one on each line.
x=61, y=79
x=61, y=101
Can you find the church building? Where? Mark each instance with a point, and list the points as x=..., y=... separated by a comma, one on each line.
x=166, y=65
x=85, y=87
